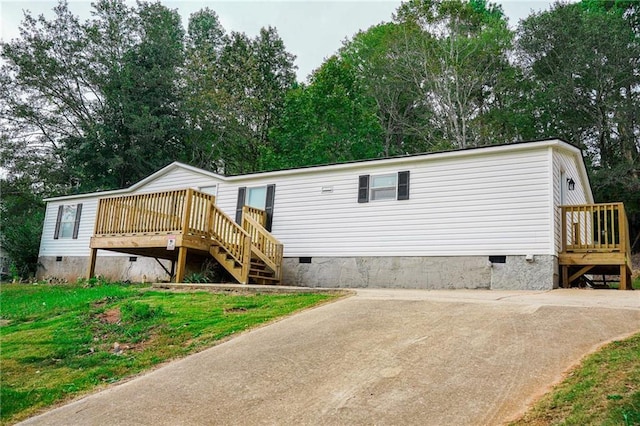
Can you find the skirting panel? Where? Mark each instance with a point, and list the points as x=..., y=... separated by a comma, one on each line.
x=114, y=268
x=539, y=272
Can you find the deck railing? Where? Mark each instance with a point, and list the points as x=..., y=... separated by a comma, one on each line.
x=231, y=236
x=155, y=213
x=258, y=215
x=264, y=245
x=595, y=228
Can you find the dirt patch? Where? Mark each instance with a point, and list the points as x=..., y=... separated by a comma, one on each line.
x=235, y=310
x=4, y=322
x=111, y=316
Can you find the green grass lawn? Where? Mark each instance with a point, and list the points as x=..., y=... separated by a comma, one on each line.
x=61, y=341
x=603, y=390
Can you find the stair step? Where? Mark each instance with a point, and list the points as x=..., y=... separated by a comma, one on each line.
x=267, y=274
x=259, y=266
x=258, y=278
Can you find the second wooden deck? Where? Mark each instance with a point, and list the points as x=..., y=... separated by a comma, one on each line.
x=595, y=241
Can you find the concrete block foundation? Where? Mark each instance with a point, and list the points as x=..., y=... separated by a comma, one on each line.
x=446, y=272
x=114, y=268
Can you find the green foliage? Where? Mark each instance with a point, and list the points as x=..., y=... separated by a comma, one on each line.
x=62, y=341
x=331, y=120
x=21, y=218
x=581, y=72
x=104, y=103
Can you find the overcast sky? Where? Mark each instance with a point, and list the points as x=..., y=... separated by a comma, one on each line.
x=311, y=30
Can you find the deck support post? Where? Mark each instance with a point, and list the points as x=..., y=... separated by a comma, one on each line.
x=92, y=263
x=565, y=276
x=182, y=260
x=625, y=281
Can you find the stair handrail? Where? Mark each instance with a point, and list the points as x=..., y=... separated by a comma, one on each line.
x=258, y=214
x=264, y=244
x=228, y=234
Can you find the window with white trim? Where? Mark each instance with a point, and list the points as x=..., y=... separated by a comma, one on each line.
x=257, y=197
x=383, y=187
x=388, y=186
x=68, y=221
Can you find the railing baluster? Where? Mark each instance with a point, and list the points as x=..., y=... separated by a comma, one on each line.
x=594, y=227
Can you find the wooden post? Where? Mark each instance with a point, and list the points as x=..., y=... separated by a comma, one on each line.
x=182, y=261
x=92, y=263
x=565, y=276
x=623, y=278
x=186, y=215
x=563, y=219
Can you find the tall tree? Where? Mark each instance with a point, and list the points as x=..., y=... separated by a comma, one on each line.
x=205, y=40
x=381, y=57
x=46, y=97
x=142, y=124
x=459, y=59
x=252, y=79
x=582, y=63
x=330, y=120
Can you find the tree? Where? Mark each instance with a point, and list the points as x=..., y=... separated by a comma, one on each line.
x=205, y=40
x=252, y=79
x=581, y=62
x=459, y=59
x=381, y=57
x=46, y=98
x=141, y=125
x=21, y=217
x=331, y=120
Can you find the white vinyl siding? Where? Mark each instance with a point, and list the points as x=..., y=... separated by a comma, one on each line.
x=565, y=167
x=177, y=178
x=496, y=203
x=493, y=201
x=68, y=246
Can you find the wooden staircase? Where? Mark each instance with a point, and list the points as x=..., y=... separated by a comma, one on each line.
x=260, y=273
x=170, y=224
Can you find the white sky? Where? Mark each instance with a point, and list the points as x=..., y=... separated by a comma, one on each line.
x=311, y=30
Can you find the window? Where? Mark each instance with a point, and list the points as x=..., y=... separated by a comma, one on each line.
x=68, y=221
x=260, y=197
x=257, y=197
x=383, y=187
x=390, y=186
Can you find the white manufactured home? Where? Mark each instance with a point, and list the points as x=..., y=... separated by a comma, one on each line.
x=499, y=217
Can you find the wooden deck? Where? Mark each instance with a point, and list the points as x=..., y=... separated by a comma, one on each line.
x=174, y=224
x=595, y=241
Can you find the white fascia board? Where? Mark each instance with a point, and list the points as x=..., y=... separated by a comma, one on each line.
x=139, y=184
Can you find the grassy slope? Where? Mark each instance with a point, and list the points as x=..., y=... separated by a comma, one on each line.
x=62, y=341
x=603, y=390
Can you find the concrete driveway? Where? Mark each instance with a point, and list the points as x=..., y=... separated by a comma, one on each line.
x=379, y=357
